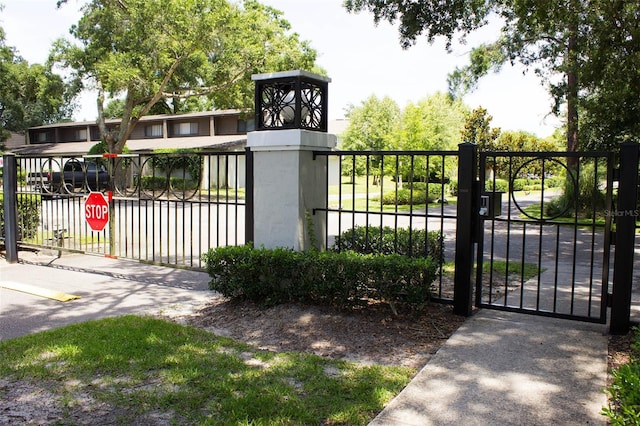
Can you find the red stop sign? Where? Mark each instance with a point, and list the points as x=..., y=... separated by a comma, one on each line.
x=96, y=211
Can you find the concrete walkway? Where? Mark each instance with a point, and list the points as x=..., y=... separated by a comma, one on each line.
x=106, y=287
x=503, y=368
x=498, y=369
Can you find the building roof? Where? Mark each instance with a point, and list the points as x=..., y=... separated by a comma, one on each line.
x=217, y=113
x=139, y=145
x=15, y=140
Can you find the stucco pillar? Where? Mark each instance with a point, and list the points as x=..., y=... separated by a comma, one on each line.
x=288, y=184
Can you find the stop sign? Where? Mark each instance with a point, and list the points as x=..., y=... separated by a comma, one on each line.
x=96, y=211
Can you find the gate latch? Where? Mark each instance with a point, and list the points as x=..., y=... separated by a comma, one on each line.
x=484, y=205
x=491, y=204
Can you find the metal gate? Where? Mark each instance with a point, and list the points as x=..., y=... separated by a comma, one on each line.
x=544, y=233
x=164, y=209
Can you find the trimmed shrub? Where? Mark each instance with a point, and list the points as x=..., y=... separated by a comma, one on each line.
x=415, y=193
x=154, y=182
x=28, y=207
x=387, y=240
x=404, y=197
x=497, y=185
x=343, y=280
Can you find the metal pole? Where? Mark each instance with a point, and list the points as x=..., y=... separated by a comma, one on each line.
x=248, y=208
x=465, y=228
x=10, y=187
x=626, y=215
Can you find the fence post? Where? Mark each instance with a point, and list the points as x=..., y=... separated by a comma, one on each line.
x=626, y=214
x=465, y=228
x=10, y=187
x=248, y=211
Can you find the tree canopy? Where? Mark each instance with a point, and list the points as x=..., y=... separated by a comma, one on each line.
x=147, y=52
x=433, y=123
x=30, y=94
x=587, y=52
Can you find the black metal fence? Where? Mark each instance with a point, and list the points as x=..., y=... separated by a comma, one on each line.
x=394, y=202
x=530, y=232
x=545, y=232
x=164, y=208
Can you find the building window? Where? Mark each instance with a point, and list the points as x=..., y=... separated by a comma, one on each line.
x=42, y=137
x=185, y=129
x=245, y=126
x=153, y=131
x=80, y=134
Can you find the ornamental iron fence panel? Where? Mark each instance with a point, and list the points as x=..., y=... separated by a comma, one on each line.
x=164, y=209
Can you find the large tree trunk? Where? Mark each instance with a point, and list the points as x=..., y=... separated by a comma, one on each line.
x=572, y=94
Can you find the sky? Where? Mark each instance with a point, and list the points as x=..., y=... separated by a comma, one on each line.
x=361, y=59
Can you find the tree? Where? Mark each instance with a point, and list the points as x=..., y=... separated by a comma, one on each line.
x=571, y=38
x=433, y=123
x=373, y=126
x=477, y=129
x=151, y=51
x=30, y=95
x=610, y=110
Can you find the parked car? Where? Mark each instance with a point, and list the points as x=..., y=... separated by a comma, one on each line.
x=74, y=175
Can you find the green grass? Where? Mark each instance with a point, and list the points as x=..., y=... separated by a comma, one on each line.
x=533, y=210
x=360, y=186
x=223, y=193
x=500, y=266
x=141, y=366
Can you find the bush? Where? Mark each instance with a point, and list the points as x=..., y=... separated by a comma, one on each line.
x=403, y=241
x=453, y=187
x=415, y=193
x=581, y=197
x=343, y=280
x=624, y=392
x=28, y=207
x=154, y=182
x=497, y=185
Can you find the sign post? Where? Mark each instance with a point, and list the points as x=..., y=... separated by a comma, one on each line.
x=96, y=211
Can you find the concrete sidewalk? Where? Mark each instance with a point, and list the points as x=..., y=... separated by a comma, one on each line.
x=498, y=369
x=106, y=287
x=504, y=368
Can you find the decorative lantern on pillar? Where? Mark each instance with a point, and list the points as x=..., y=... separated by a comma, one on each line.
x=291, y=100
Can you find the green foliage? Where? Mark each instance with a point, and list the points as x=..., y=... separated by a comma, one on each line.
x=344, y=280
x=497, y=185
x=188, y=49
x=624, y=391
x=433, y=123
x=594, y=44
x=372, y=125
x=177, y=160
x=405, y=197
x=477, y=129
x=419, y=194
x=154, y=183
x=30, y=94
x=28, y=207
x=582, y=195
x=386, y=240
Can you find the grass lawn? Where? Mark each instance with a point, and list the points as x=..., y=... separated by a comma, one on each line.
x=142, y=368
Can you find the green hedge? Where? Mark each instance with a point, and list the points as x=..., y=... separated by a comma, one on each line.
x=343, y=280
x=415, y=193
x=387, y=240
x=28, y=215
